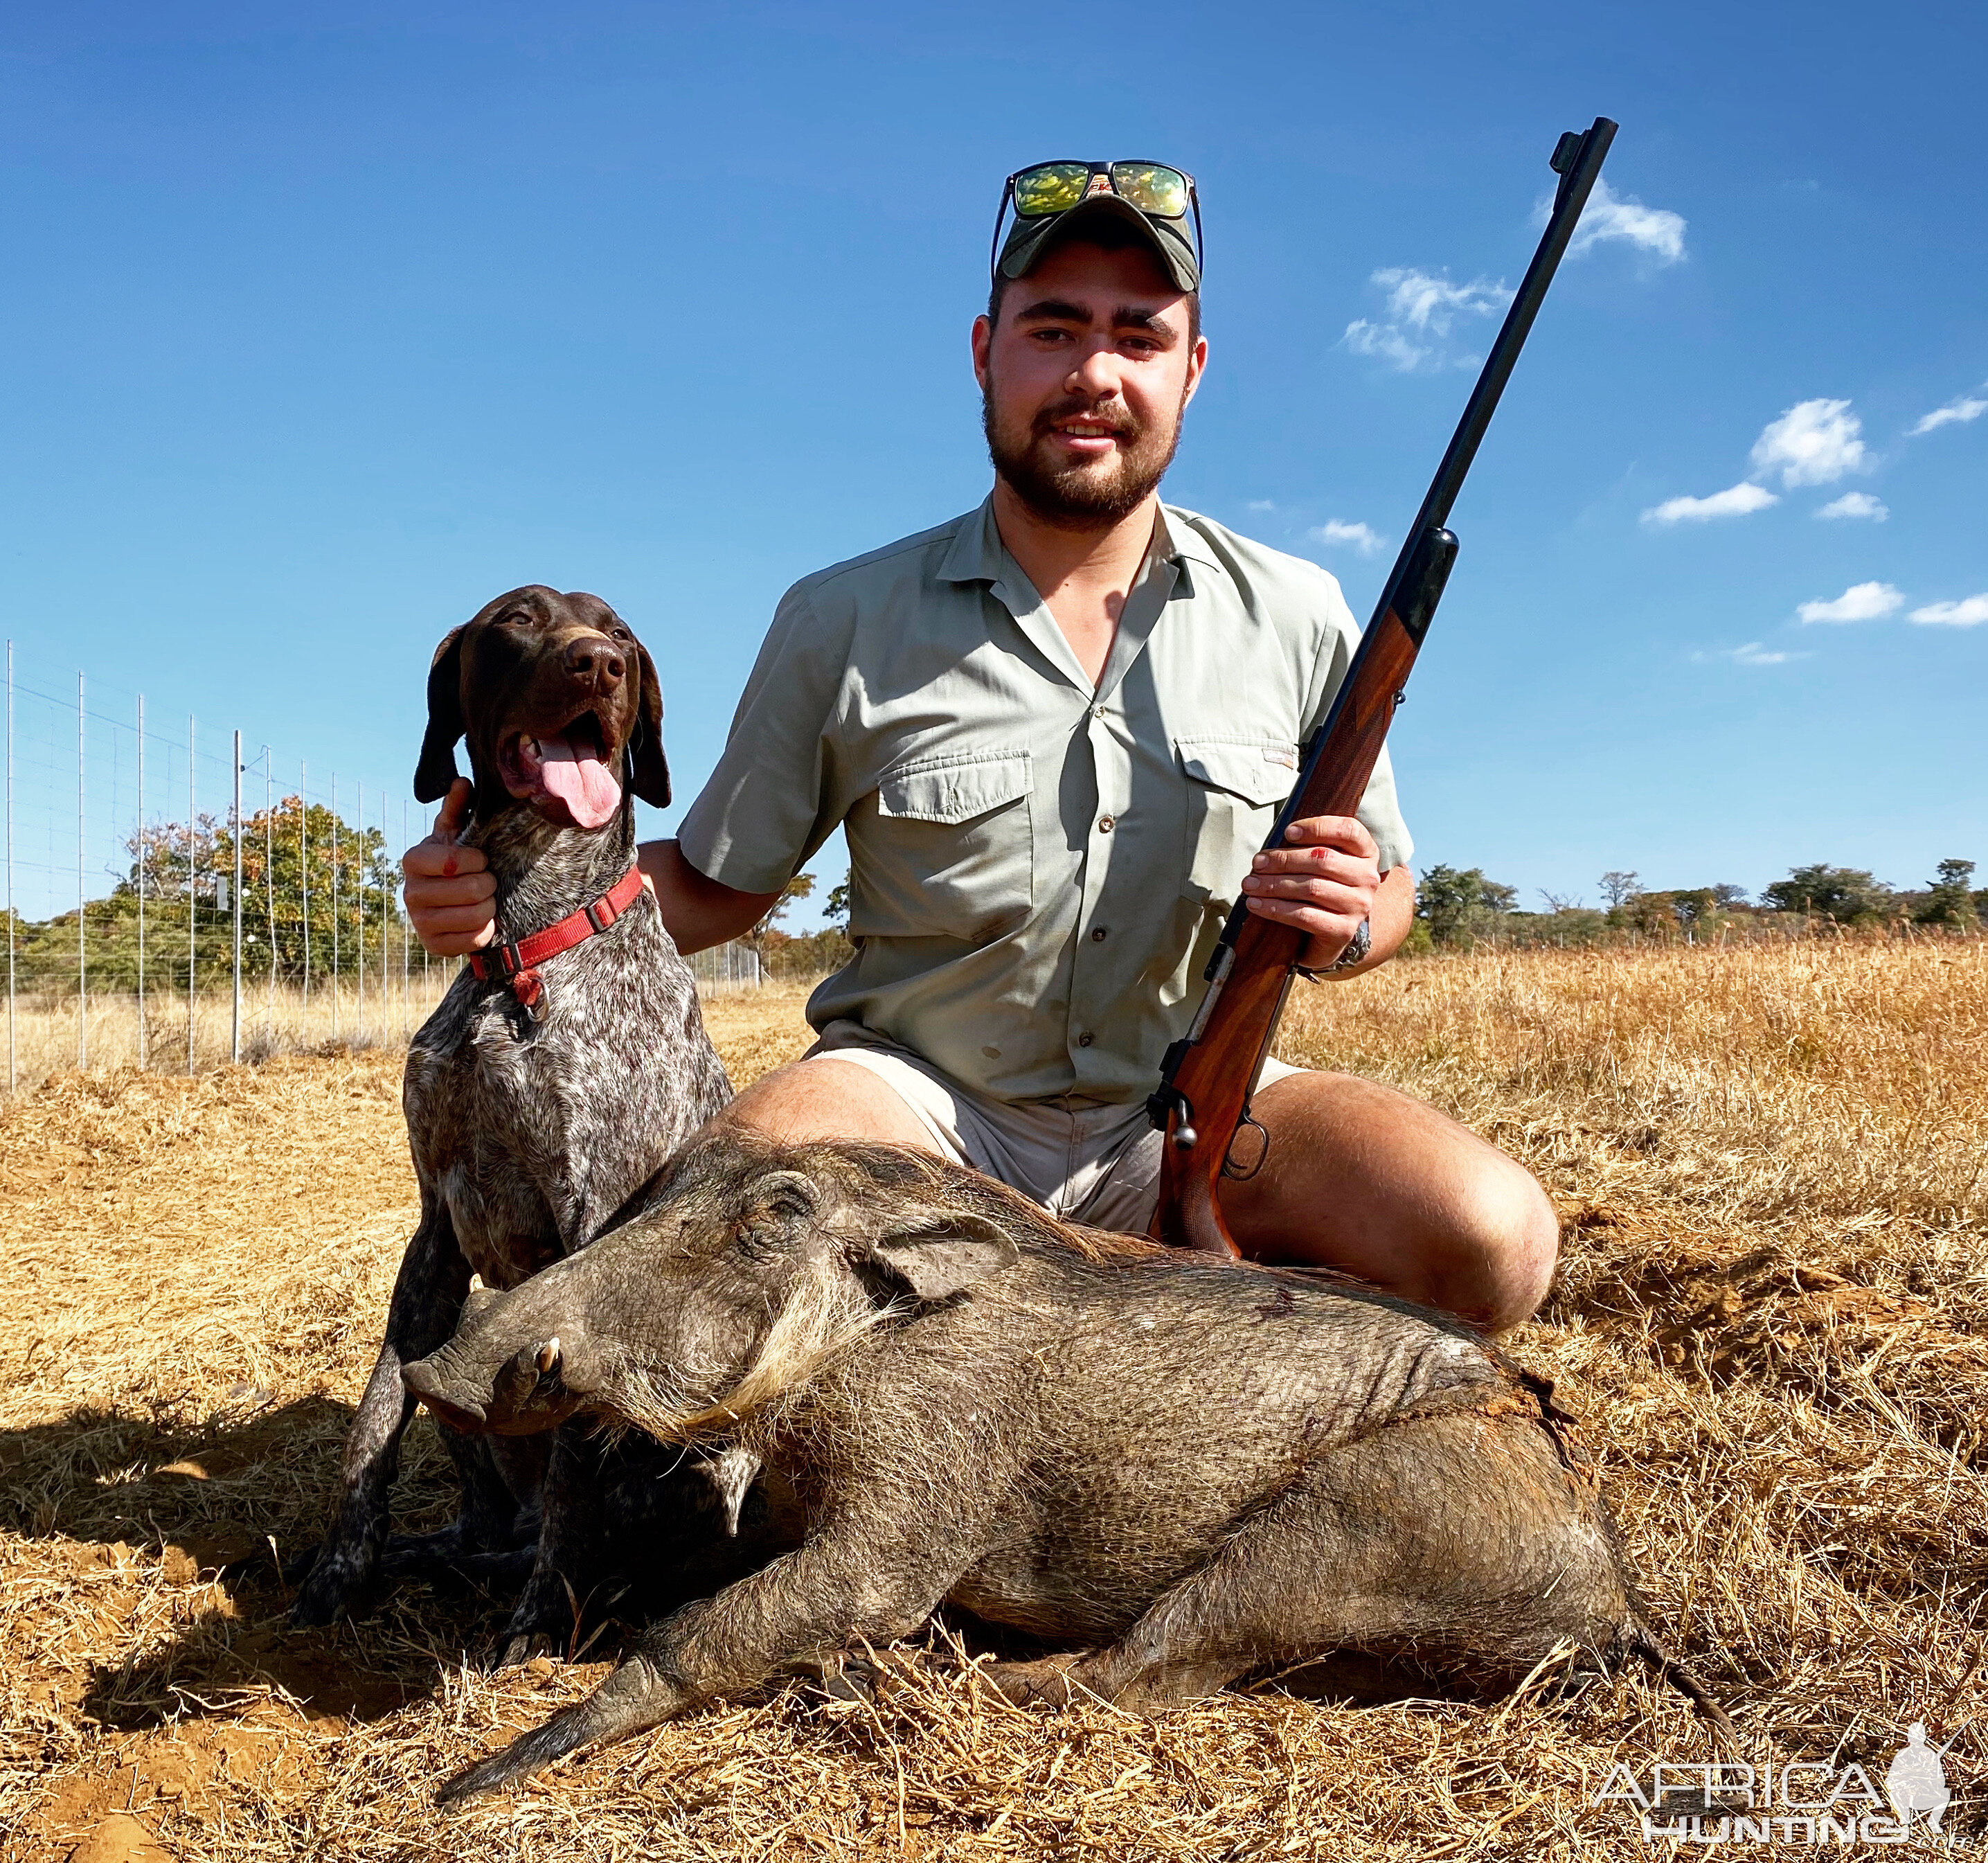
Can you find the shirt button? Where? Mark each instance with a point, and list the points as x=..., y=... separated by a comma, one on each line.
x=1097, y=935
x=1096, y=710
x=1084, y=1039
x=1106, y=824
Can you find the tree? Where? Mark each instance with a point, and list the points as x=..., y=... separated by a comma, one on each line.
x=1725, y=895
x=1445, y=900
x=1949, y=900
x=1619, y=888
x=1559, y=902
x=1498, y=898
x=835, y=908
x=801, y=887
x=1848, y=895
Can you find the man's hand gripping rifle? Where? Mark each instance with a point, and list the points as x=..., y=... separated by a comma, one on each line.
x=1203, y=1098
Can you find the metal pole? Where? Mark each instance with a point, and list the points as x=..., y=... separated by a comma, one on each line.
x=269, y=880
x=193, y=930
x=386, y=911
x=303, y=874
x=12, y=1075
x=336, y=971
x=144, y=1045
x=235, y=1039
x=406, y=1008
x=82, y=921
x=359, y=917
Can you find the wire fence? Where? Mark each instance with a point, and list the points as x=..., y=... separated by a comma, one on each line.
x=178, y=896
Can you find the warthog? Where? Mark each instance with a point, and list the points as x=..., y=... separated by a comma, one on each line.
x=1194, y=1469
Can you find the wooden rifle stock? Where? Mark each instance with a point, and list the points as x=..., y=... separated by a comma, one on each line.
x=1203, y=1099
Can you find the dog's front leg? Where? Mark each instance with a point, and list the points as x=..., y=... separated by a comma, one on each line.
x=427, y=1301
x=559, y=1605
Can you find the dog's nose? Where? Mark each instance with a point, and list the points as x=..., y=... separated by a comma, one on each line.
x=596, y=658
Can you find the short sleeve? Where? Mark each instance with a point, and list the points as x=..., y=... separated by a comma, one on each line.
x=771, y=802
x=1380, y=810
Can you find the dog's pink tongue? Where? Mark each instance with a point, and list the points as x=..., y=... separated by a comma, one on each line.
x=580, y=780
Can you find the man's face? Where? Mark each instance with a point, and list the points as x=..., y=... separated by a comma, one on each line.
x=1084, y=381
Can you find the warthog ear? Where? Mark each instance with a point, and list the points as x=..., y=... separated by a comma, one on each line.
x=944, y=1257
x=436, y=769
x=650, y=767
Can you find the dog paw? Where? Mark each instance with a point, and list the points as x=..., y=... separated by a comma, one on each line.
x=328, y=1593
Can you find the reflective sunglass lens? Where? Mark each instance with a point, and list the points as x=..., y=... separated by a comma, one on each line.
x=1150, y=188
x=1054, y=187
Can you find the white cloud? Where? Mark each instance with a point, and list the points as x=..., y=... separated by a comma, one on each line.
x=1608, y=215
x=1423, y=309
x=1864, y=601
x=1752, y=654
x=1263, y=504
x=1363, y=537
x=1813, y=444
x=1962, y=408
x=1856, y=505
x=1969, y=613
x=1735, y=501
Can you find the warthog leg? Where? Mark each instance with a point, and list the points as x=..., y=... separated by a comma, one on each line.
x=1460, y=1540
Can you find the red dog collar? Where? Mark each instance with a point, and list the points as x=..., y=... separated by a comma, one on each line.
x=518, y=964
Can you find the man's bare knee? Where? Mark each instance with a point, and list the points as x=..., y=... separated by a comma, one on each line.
x=1501, y=1263
x=823, y=1097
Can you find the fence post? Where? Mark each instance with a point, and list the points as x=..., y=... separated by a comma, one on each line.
x=269, y=888
x=82, y=917
x=407, y=1007
x=234, y=1040
x=193, y=867
x=144, y=1046
x=11, y=1073
x=359, y=917
x=337, y=972
x=386, y=925
x=303, y=878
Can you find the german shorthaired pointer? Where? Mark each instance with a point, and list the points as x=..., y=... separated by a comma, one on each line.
x=564, y=1066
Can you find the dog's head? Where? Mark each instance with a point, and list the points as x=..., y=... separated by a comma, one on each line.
x=560, y=705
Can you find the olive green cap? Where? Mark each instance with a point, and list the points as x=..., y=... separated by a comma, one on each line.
x=1028, y=239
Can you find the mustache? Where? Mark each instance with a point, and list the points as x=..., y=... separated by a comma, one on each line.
x=1075, y=407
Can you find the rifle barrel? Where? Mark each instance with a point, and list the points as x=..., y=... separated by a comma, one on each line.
x=1577, y=183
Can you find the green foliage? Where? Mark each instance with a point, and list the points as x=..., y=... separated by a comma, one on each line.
x=187, y=870
x=1950, y=900
x=1846, y=895
x=1458, y=905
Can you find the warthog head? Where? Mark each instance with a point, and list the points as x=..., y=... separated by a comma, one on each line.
x=751, y=1267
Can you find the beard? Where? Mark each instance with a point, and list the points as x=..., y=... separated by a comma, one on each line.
x=1093, y=496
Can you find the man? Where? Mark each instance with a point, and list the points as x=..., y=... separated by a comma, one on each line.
x=1055, y=731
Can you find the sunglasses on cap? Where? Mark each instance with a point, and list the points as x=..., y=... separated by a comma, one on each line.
x=1048, y=189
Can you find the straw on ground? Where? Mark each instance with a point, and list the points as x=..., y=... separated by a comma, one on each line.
x=1773, y=1317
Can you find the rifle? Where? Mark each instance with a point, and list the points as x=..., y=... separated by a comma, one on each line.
x=1202, y=1101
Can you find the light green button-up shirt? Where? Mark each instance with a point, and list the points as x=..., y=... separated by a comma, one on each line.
x=1038, y=866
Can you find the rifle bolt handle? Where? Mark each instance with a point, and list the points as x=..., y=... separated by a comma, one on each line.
x=1186, y=1138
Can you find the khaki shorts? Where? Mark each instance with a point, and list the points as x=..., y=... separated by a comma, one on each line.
x=1094, y=1164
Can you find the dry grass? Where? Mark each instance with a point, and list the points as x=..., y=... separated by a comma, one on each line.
x=1773, y=1316
x=282, y=1021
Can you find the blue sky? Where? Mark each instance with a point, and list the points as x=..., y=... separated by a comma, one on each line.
x=326, y=325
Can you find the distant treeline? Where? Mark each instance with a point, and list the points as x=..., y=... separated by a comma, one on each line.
x=1456, y=907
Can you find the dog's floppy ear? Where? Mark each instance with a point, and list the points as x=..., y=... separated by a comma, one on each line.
x=650, y=777
x=436, y=770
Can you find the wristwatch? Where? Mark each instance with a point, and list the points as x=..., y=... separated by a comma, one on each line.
x=1357, y=946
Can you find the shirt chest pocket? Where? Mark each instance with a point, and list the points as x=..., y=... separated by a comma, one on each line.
x=949, y=851
x=1234, y=788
